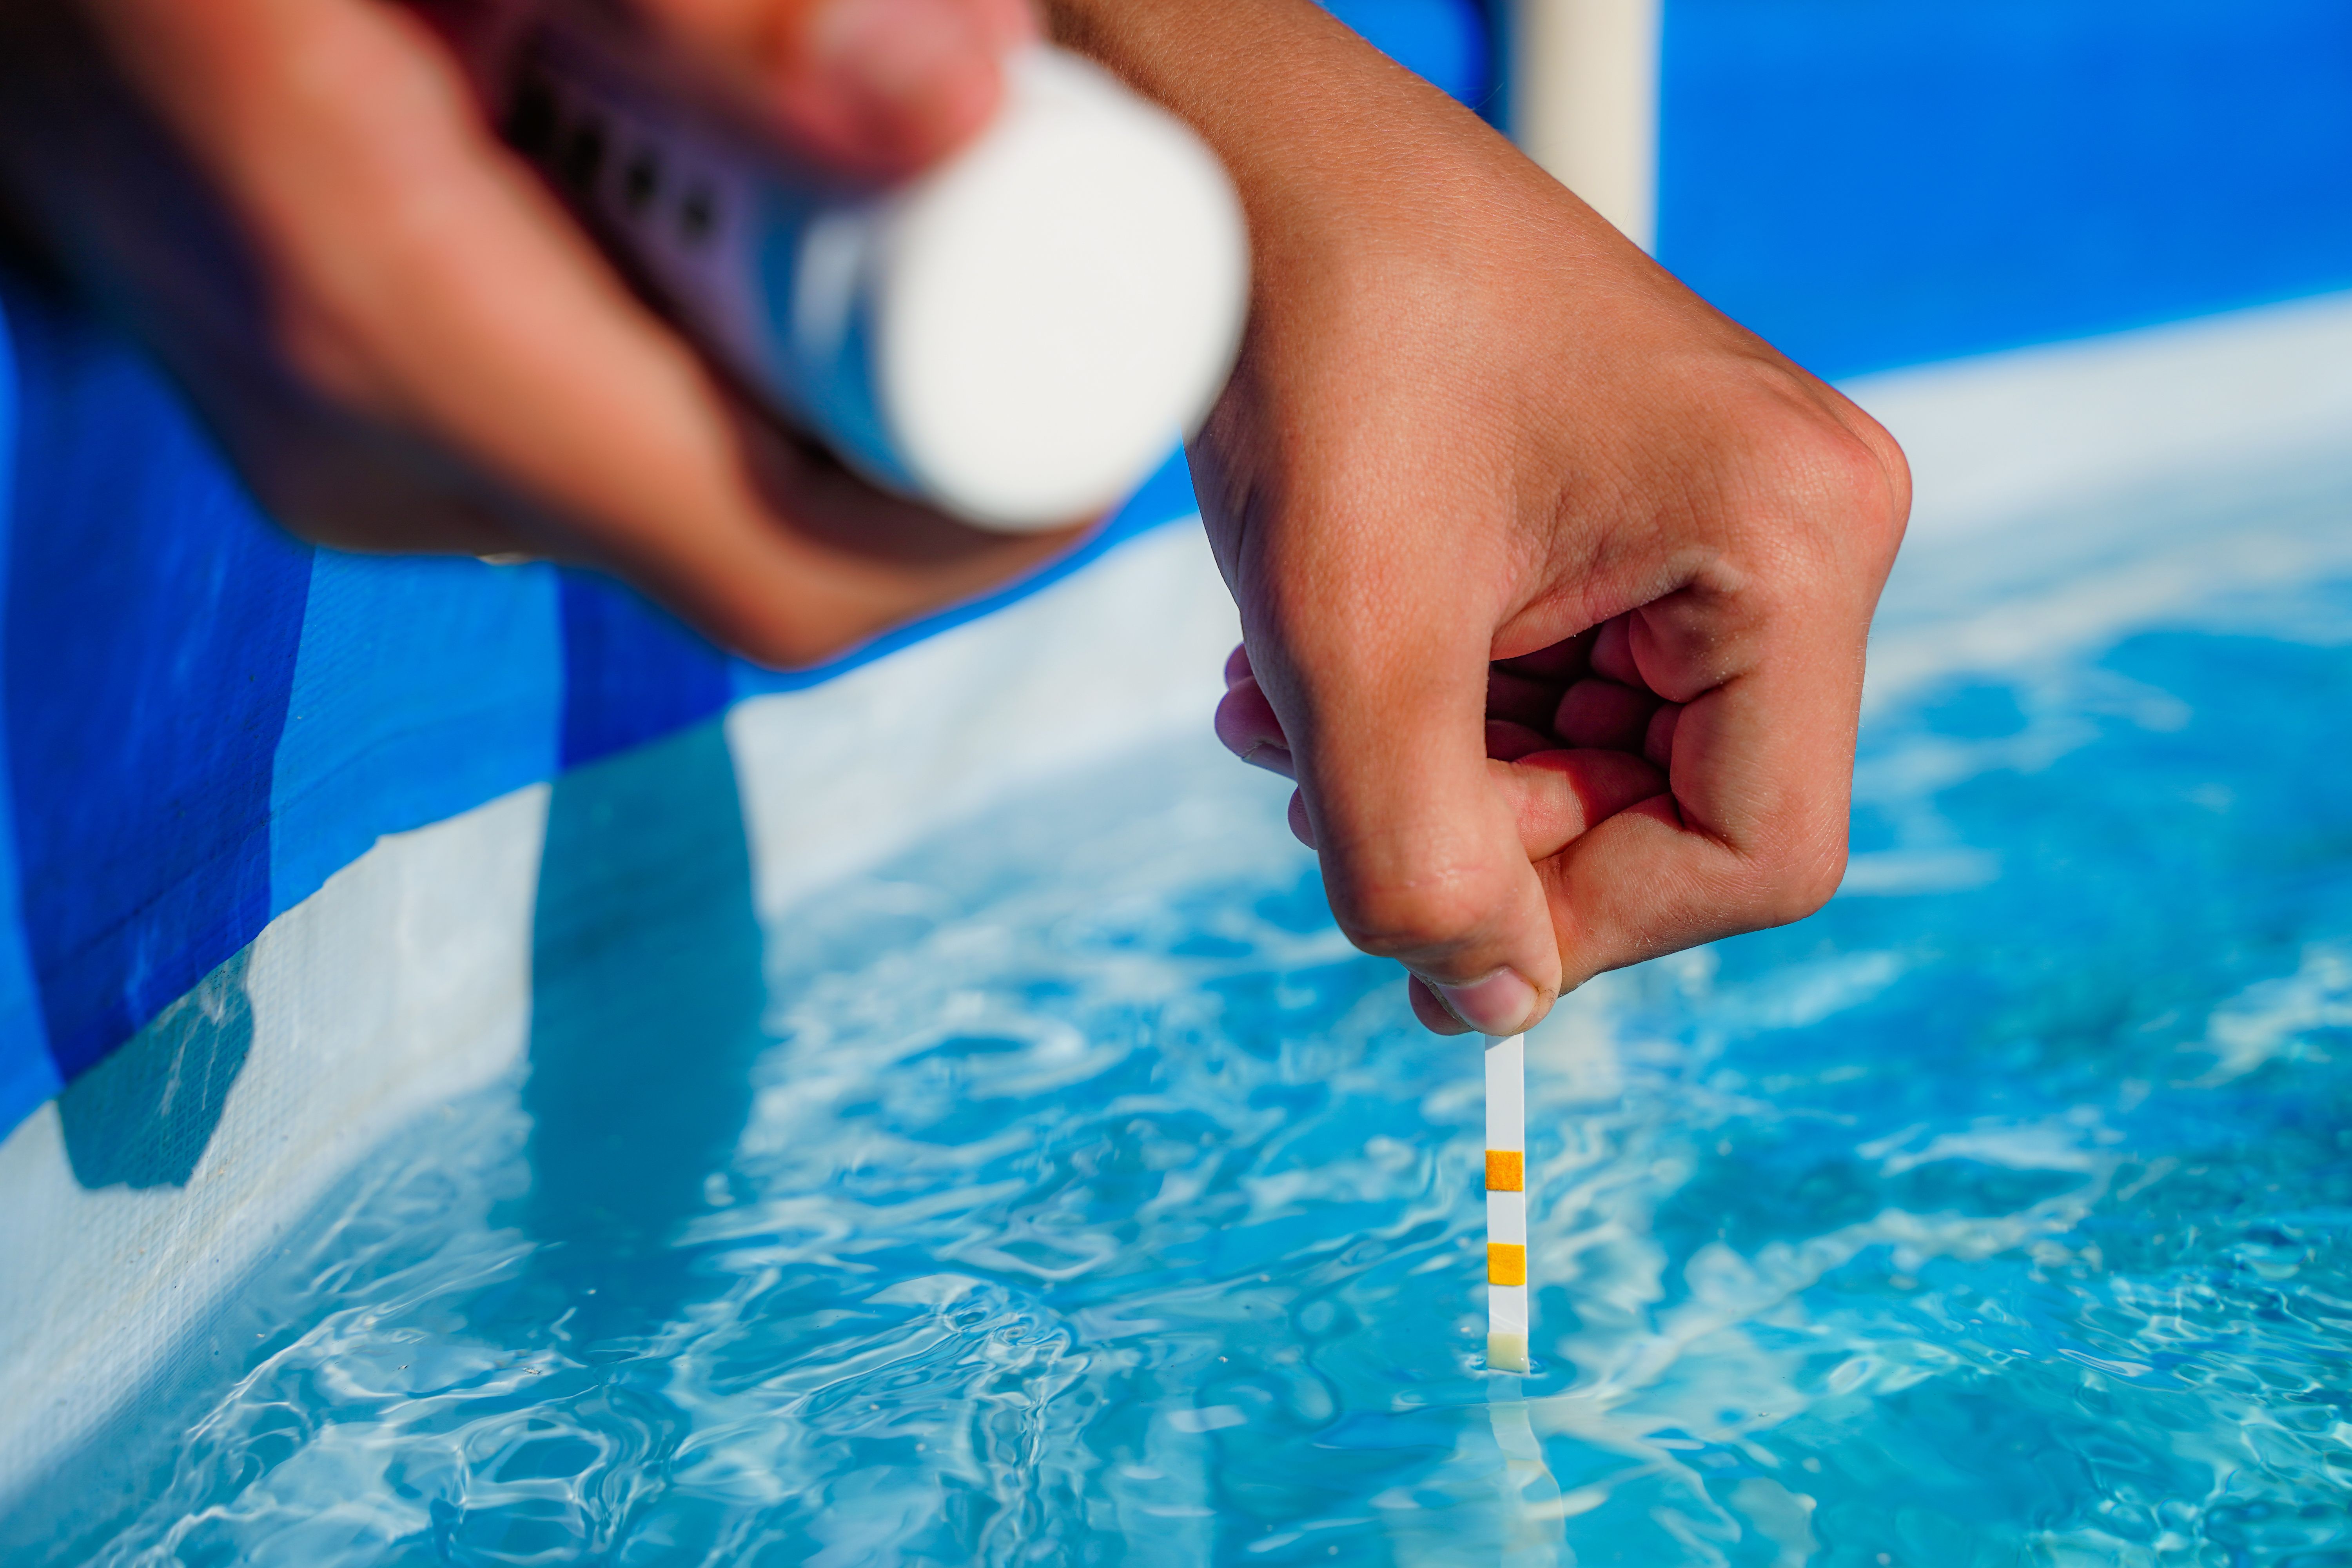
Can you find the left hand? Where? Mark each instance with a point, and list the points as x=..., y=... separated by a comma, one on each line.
x=404, y=341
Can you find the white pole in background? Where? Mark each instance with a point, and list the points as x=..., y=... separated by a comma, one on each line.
x=1584, y=103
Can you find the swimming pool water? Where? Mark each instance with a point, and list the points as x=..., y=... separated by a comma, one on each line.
x=1068, y=1192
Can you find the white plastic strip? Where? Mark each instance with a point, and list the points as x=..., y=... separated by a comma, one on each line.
x=1531, y=1505
x=1507, y=1205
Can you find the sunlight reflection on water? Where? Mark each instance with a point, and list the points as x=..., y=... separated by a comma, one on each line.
x=1094, y=1202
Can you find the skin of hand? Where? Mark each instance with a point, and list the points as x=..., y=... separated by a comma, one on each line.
x=405, y=343
x=1554, y=582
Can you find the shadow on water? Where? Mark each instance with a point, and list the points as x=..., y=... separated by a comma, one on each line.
x=648, y=999
x=143, y=1116
x=646, y=1005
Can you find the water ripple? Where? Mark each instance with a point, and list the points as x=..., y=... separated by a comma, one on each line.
x=1095, y=1202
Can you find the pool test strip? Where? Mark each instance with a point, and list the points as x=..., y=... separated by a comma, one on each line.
x=1507, y=1205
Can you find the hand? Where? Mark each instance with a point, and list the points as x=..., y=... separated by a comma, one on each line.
x=404, y=341
x=1554, y=582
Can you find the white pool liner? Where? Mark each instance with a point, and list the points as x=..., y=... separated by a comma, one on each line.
x=405, y=982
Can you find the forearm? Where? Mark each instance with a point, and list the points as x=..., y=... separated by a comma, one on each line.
x=1230, y=65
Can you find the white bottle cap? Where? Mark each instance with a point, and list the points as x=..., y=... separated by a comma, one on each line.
x=1053, y=309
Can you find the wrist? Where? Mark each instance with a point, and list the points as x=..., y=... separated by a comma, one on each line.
x=1303, y=111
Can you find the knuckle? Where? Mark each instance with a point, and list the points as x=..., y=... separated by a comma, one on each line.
x=1798, y=883
x=1894, y=468
x=1407, y=917
x=1832, y=471
x=1863, y=482
x=1814, y=467
x=1245, y=718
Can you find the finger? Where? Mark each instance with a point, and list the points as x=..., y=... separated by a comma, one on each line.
x=1274, y=759
x=1381, y=692
x=1597, y=712
x=1557, y=796
x=1658, y=740
x=1247, y=725
x=1558, y=665
x=426, y=279
x=1507, y=741
x=870, y=87
x=1301, y=827
x=1752, y=833
x=1430, y=1010
x=1520, y=699
x=1237, y=667
x=1767, y=666
x=1612, y=653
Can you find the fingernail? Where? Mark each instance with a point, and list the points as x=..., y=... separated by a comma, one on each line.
x=913, y=68
x=1499, y=1004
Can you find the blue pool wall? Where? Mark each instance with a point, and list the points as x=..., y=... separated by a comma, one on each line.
x=204, y=718
x=1872, y=184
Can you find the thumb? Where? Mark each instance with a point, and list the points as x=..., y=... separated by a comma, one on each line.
x=1420, y=849
x=870, y=88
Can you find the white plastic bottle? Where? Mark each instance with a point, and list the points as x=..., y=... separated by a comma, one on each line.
x=1017, y=336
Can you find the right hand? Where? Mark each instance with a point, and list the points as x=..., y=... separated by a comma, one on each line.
x=1554, y=582
x=405, y=343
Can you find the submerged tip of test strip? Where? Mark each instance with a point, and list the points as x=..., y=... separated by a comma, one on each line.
x=1507, y=1225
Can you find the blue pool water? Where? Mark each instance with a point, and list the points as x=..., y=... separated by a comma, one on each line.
x=1068, y=1192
